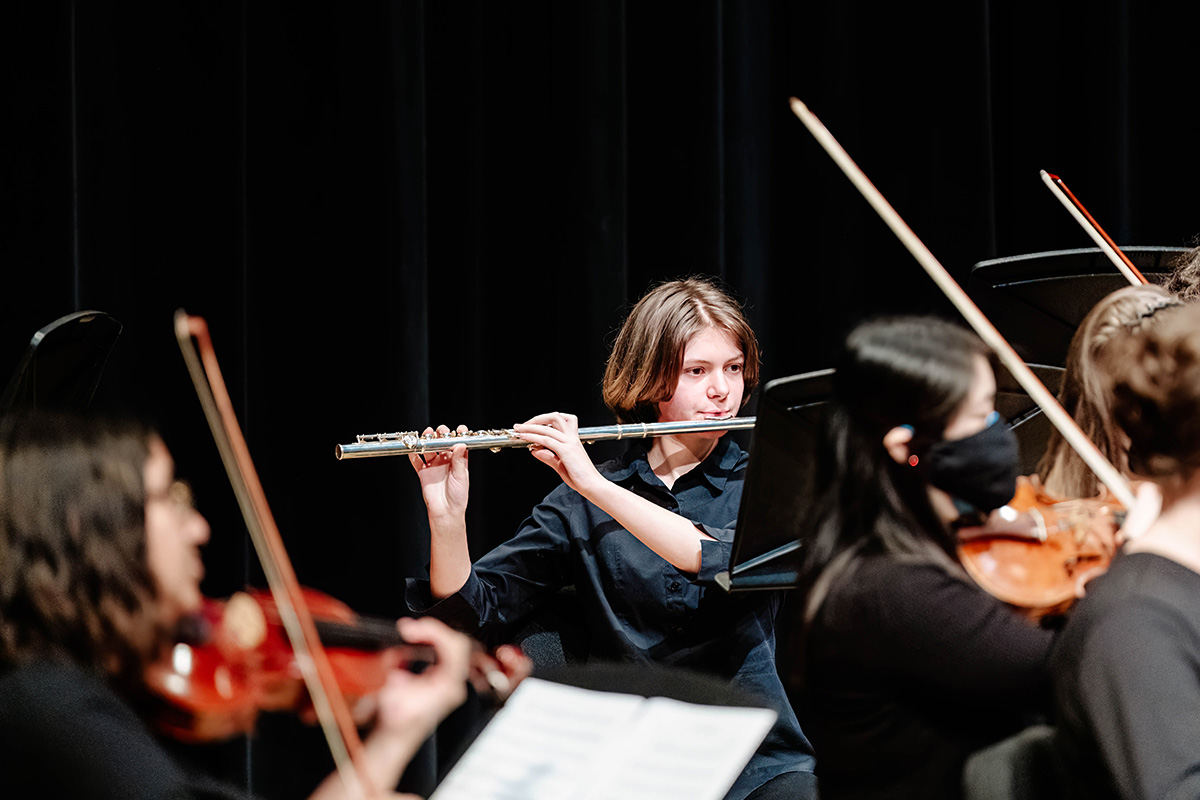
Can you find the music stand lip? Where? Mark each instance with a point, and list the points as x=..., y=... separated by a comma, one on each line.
x=1037, y=300
x=1032, y=266
x=769, y=580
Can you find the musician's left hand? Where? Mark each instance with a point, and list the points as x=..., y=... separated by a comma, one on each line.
x=556, y=440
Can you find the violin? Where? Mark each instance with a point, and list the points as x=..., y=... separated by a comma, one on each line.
x=234, y=660
x=1038, y=552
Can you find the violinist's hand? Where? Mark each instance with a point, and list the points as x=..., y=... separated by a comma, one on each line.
x=408, y=708
x=1140, y=518
x=409, y=702
x=556, y=440
x=1147, y=504
x=498, y=673
x=445, y=480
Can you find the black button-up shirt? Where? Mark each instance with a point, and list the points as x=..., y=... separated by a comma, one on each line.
x=636, y=606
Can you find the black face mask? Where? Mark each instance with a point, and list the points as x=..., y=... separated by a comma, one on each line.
x=980, y=469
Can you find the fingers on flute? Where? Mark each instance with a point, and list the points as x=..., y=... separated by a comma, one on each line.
x=556, y=420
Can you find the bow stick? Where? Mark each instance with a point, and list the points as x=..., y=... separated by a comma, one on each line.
x=332, y=711
x=1093, y=229
x=1087, y=450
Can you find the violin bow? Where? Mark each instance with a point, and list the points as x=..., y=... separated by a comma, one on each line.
x=1121, y=261
x=1087, y=450
x=332, y=711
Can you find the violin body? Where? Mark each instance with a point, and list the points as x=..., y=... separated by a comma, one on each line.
x=1039, y=551
x=236, y=661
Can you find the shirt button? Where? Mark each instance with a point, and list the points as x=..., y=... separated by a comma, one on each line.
x=674, y=586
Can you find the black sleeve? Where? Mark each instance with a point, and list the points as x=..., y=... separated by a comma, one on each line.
x=1138, y=691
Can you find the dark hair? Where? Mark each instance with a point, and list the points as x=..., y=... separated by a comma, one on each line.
x=1085, y=393
x=913, y=371
x=1155, y=382
x=647, y=356
x=1184, y=282
x=74, y=579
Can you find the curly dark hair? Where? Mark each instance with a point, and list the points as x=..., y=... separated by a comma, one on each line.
x=1184, y=282
x=1155, y=383
x=74, y=579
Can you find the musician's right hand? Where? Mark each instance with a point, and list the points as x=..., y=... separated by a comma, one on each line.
x=445, y=480
x=555, y=437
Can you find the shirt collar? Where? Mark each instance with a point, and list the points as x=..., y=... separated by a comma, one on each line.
x=714, y=469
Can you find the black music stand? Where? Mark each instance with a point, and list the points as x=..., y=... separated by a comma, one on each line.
x=766, y=545
x=1038, y=300
x=62, y=365
x=791, y=411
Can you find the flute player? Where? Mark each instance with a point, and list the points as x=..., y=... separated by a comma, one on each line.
x=641, y=537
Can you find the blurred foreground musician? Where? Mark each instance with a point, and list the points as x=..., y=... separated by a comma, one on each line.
x=1127, y=667
x=99, y=561
x=909, y=666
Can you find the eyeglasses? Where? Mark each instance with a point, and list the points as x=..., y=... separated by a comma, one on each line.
x=178, y=494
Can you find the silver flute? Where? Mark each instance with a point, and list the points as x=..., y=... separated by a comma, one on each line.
x=404, y=443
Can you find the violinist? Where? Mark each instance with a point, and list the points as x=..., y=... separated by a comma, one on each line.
x=642, y=537
x=99, y=560
x=908, y=666
x=1126, y=667
x=1084, y=392
x=1065, y=531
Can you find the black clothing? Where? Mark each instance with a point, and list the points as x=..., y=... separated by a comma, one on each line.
x=908, y=669
x=636, y=606
x=1127, y=683
x=65, y=733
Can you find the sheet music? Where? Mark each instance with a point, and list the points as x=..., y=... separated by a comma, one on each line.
x=553, y=741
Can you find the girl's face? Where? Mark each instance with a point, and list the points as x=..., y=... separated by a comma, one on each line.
x=710, y=382
x=174, y=533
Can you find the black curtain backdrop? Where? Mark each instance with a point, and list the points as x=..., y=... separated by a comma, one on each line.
x=401, y=213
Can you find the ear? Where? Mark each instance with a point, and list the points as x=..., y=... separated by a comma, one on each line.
x=896, y=442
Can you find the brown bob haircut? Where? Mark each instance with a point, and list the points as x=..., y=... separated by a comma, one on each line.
x=1155, y=379
x=647, y=356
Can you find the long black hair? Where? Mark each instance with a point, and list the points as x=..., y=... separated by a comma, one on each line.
x=895, y=371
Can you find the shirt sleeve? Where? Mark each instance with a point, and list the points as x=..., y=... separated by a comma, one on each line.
x=1139, y=693
x=504, y=585
x=714, y=553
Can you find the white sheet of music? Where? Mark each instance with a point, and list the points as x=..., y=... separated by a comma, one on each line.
x=553, y=741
